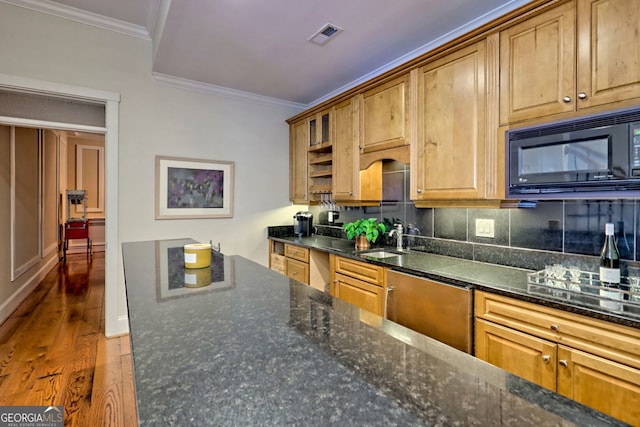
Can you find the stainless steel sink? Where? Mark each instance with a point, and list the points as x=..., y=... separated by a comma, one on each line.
x=381, y=253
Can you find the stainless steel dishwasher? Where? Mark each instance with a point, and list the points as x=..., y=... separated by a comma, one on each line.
x=441, y=311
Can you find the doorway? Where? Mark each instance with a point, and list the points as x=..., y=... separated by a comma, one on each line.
x=115, y=316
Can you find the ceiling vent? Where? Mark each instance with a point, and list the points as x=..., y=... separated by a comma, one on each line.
x=324, y=34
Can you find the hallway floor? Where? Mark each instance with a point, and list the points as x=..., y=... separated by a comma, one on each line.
x=53, y=350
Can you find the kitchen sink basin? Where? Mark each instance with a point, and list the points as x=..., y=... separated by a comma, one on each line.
x=381, y=253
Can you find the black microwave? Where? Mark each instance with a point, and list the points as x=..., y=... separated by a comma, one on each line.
x=581, y=158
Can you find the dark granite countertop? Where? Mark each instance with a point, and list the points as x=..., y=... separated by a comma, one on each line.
x=257, y=348
x=508, y=281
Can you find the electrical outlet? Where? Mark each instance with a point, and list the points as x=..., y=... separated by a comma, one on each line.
x=485, y=228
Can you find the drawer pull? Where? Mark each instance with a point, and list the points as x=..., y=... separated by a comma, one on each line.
x=546, y=358
x=563, y=363
x=555, y=327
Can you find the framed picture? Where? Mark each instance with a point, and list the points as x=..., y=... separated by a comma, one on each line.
x=193, y=188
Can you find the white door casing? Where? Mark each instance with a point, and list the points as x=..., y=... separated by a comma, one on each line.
x=115, y=323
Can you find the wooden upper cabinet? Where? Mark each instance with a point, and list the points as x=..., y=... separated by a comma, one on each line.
x=537, y=66
x=350, y=184
x=345, y=151
x=298, y=148
x=385, y=116
x=320, y=128
x=577, y=55
x=448, y=158
x=608, y=52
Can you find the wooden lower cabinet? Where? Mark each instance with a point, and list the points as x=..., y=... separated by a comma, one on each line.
x=358, y=283
x=305, y=265
x=599, y=383
x=591, y=361
x=521, y=354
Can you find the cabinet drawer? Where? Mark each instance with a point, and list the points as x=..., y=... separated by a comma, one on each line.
x=296, y=252
x=599, y=337
x=360, y=270
x=359, y=293
x=298, y=270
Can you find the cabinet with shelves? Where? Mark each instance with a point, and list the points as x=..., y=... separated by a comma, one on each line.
x=576, y=356
x=320, y=128
x=358, y=283
x=320, y=171
x=319, y=152
x=576, y=55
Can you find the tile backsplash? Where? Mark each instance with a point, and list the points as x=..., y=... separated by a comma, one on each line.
x=569, y=230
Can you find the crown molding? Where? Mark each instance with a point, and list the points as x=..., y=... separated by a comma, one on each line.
x=93, y=19
x=463, y=29
x=207, y=88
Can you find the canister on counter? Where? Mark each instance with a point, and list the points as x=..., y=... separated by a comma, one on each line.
x=197, y=255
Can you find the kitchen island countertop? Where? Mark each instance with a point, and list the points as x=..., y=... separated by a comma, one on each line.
x=257, y=348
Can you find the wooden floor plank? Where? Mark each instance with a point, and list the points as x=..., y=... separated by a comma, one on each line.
x=53, y=350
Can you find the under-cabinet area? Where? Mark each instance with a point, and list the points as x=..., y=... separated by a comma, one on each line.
x=308, y=266
x=594, y=362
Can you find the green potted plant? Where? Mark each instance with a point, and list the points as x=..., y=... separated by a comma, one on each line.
x=364, y=231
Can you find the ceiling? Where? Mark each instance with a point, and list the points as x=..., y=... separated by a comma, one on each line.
x=260, y=47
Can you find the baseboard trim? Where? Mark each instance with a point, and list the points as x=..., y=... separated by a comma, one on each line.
x=122, y=327
x=12, y=303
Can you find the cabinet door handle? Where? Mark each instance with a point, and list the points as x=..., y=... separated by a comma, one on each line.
x=419, y=191
x=546, y=358
x=555, y=327
x=563, y=363
x=582, y=95
x=386, y=300
x=566, y=99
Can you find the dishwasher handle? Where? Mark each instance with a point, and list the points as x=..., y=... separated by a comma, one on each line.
x=386, y=300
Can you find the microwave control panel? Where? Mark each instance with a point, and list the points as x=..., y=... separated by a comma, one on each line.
x=635, y=148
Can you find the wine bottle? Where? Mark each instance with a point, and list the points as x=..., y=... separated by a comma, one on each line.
x=610, y=271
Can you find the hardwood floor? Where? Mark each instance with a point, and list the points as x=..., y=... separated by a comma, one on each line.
x=53, y=350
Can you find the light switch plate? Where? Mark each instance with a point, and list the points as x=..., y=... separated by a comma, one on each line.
x=485, y=228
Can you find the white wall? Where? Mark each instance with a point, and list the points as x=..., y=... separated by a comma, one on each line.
x=160, y=120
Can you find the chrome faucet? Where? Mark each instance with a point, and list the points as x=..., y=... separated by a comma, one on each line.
x=398, y=232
